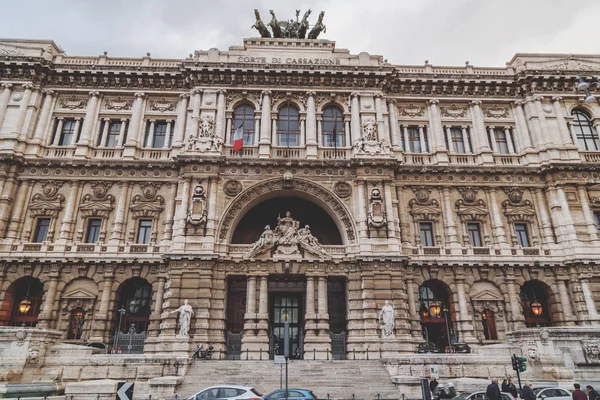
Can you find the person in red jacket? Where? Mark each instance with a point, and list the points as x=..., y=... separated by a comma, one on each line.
x=578, y=394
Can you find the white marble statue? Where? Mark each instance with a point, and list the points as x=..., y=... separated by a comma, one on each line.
x=387, y=317
x=185, y=316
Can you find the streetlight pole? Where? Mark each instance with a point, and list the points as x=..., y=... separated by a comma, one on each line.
x=118, y=328
x=446, y=311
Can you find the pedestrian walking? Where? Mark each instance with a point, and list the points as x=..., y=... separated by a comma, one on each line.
x=527, y=392
x=493, y=391
x=578, y=394
x=592, y=394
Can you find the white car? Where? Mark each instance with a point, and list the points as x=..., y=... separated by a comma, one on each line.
x=481, y=396
x=551, y=393
x=227, y=392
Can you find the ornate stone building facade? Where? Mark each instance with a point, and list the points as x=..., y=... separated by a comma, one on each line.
x=467, y=197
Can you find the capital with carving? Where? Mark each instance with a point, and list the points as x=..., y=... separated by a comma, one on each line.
x=94, y=94
x=434, y=101
x=476, y=103
x=27, y=86
x=378, y=95
x=354, y=95
x=197, y=91
x=392, y=101
x=519, y=103
x=7, y=85
x=48, y=92
x=139, y=95
x=266, y=92
x=557, y=98
x=222, y=91
x=184, y=96
x=538, y=97
x=311, y=94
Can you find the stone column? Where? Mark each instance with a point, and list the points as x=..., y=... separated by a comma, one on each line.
x=391, y=221
x=565, y=302
x=263, y=308
x=212, y=218
x=67, y=222
x=449, y=138
x=563, y=128
x=181, y=212
x=569, y=227
x=250, y=315
x=362, y=211
x=103, y=318
x=509, y=140
x=403, y=215
x=479, y=126
x=323, y=312
x=264, y=150
x=170, y=212
x=589, y=300
x=465, y=134
x=544, y=218
x=515, y=304
x=310, y=317
x=119, y=220
x=533, y=122
x=45, y=318
x=588, y=217
x=412, y=310
x=133, y=135
x=6, y=201
x=437, y=134
x=181, y=119
x=464, y=320
x=497, y=225
x=451, y=235
x=521, y=124
x=394, y=129
x=492, y=134
x=42, y=123
x=158, y=306
x=59, y=126
x=23, y=109
x=379, y=117
x=18, y=208
x=220, y=117
x=4, y=99
x=406, y=139
x=121, y=137
x=89, y=120
x=150, y=140
x=167, y=144
x=311, y=126
x=545, y=134
x=104, y=133
x=355, y=117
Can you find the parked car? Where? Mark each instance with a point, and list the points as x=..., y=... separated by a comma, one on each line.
x=461, y=348
x=302, y=394
x=224, y=392
x=551, y=393
x=427, y=347
x=481, y=396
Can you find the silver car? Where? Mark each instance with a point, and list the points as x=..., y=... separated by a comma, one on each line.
x=227, y=392
x=551, y=393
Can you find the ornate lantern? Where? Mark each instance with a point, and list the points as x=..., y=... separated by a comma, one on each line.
x=424, y=312
x=536, y=308
x=435, y=308
x=24, y=306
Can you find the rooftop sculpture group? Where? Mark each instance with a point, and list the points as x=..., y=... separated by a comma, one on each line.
x=289, y=29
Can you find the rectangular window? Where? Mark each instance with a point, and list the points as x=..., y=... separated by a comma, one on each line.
x=41, y=230
x=474, y=233
x=597, y=219
x=458, y=140
x=501, y=141
x=67, y=132
x=160, y=134
x=144, y=231
x=522, y=235
x=93, y=230
x=114, y=129
x=414, y=140
x=426, y=229
x=333, y=132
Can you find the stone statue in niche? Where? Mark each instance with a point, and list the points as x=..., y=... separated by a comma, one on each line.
x=186, y=312
x=376, y=217
x=197, y=211
x=387, y=322
x=205, y=140
x=368, y=143
x=287, y=239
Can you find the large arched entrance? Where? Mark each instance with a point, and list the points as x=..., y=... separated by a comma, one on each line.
x=534, y=300
x=436, y=313
x=22, y=302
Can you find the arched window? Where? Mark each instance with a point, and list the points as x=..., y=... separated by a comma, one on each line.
x=586, y=134
x=333, y=127
x=25, y=296
x=288, y=126
x=243, y=116
x=489, y=325
x=76, y=321
x=135, y=298
x=534, y=299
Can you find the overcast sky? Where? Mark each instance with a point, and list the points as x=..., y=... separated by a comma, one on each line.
x=445, y=32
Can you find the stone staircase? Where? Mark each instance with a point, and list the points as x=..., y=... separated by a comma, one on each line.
x=338, y=379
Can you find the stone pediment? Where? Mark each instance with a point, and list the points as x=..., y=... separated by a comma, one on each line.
x=79, y=294
x=487, y=295
x=556, y=63
x=522, y=211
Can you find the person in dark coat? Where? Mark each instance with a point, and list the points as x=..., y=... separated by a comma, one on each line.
x=504, y=386
x=578, y=394
x=433, y=383
x=512, y=389
x=592, y=394
x=527, y=392
x=493, y=391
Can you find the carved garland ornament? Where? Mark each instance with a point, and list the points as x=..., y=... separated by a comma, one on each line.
x=411, y=110
x=297, y=184
x=118, y=104
x=454, y=111
x=73, y=102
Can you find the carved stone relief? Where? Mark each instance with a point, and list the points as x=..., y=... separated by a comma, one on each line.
x=376, y=218
x=147, y=205
x=197, y=212
x=118, y=103
x=411, y=110
x=342, y=189
x=232, y=187
x=453, y=111
x=205, y=140
x=73, y=102
x=162, y=105
x=495, y=112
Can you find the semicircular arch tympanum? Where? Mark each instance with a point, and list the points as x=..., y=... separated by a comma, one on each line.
x=297, y=188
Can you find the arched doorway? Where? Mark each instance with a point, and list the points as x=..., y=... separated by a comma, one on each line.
x=24, y=300
x=436, y=313
x=134, y=298
x=534, y=300
x=306, y=212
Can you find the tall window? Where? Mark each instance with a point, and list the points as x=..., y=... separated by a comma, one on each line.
x=67, y=133
x=489, y=325
x=597, y=219
x=457, y=140
x=93, y=230
x=333, y=127
x=243, y=115
x=110, y=131
x=41, y=230
x=156, y=134
x=144, y=231
x=135, y=297
x=474, y=233
x=288, y=126
x=586, y=134
x=427, y=238
x=414, y=139
x=501, y=141
x=522, y=235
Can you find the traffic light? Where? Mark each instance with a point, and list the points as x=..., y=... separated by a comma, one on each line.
x=522, y=364
x=515, y=365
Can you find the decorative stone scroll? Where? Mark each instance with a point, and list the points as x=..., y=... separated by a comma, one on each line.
x=453, y=111
x=495, y=112
x=118, y=104
x=197, y=213
x=73, y=102
x=232, y=187
x=301, y=185
x=376, y=217
x=411, y=110
x=162, y=105
x=516, y=209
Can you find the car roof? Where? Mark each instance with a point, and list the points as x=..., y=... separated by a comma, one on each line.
x=279, y=390
x=228, y=385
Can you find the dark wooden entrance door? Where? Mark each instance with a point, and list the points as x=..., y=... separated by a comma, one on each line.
x=287, y=305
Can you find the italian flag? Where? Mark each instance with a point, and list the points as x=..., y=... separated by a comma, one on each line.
x=238, y=138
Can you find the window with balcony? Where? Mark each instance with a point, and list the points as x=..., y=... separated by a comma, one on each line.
x=427, y=236
x=474, y=233
x=333, y=127
x=458, y=140
x=584, y=131
x=144, y=231
x=414, y=139
x=66, y=131
x=41, y=230
x=243, y=116
x=288, y=126
x=112, y=133
x=158, y=134
x=522, y=235
x=93, y=230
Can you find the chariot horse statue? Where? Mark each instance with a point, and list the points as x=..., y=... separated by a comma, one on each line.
x=303, y=25
x=275, y=27
x=260, y=26
x=318, y=28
